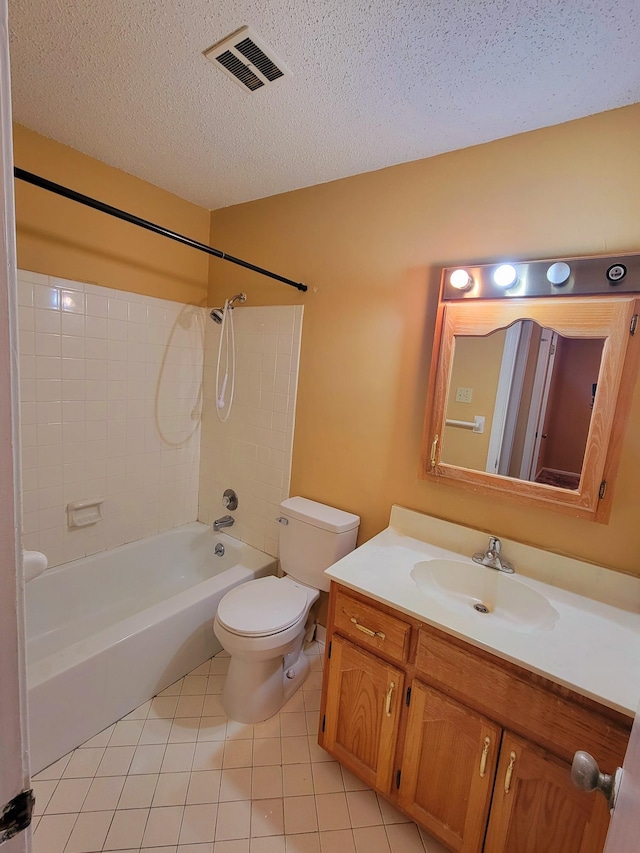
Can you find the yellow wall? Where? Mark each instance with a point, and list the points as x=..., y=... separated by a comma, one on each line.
x=56, y=236
x=371, y=248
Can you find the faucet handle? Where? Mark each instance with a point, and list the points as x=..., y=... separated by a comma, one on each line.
x=495, y=544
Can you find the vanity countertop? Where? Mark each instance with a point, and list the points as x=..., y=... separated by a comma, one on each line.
x=594, y=646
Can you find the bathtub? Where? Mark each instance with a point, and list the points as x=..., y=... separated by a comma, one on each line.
x=107, y=632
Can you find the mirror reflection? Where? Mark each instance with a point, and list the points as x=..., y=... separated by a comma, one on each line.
x=520, y=402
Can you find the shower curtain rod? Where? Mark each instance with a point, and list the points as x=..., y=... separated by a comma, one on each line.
x=44, y=184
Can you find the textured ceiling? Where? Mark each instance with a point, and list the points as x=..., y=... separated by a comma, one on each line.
x=373, y=83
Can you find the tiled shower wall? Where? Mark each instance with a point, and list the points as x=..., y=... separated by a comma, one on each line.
x=112, y=391
x=251, y=452
x=111, y=396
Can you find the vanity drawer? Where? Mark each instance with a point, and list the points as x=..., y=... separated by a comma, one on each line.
x=372, y=628
x=528, y=704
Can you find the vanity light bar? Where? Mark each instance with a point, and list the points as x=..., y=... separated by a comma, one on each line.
x=585, y=276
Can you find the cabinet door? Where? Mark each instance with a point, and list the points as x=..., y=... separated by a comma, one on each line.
x=537, y=809
x=448, y=768
x=364, y=696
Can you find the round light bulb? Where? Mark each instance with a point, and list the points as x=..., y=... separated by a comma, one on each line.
x=558, y=273
x=460, y=279
x=505, y=275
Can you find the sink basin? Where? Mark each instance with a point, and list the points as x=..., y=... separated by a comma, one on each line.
x=484, y=593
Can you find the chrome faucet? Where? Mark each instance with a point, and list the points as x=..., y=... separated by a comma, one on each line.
x=491, y=557
x=225, y=521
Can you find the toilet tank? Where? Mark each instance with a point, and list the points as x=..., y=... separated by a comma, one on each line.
x=313, y=536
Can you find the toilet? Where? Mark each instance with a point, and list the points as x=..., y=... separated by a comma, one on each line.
x=262, y=624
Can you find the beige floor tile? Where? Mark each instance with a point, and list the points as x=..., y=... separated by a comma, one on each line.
x=163, y=707
x=295, y=750
x=89, y=832
x=171, y=789
x=102, y=739
x=215, y=683
x=212, y=728
x=189, y=706
x=172, y=690
x=338, y=841
x=312, y=719
x=371, y=839
x=297, y=780
x=266, y=782
x=83, y=762
x=234, y=820
x=267, y=728
x=163, y=826
x=204, y=787
x=137, y=792
x=178, y=757
x=267, y=751
x=212, y=706
x=147, y=759
x=430, y=844
x=351, y=782
x=316, y=752
x=42, y=791
x=184, y=730
x=267, y=844
x=126, y=733
x=116, y=761
x=127, y=829
x=240, y=845
x=55, y=770
x=53, y=832
x=208, y=755
x=294, y=704
x=332, y=811
x=139, y=713
x=104, y=794
x=235, y=784
x=219, y=666
x=312, y=700
x=203, y=669
x=68, y=796
x=404, y=838
x=267, y=818
x=390, y=814
x=300, y=815
x=238, y=731
x=327, y=778
x=237, y=753
x=194, y=685
x=307, y=842
x=363, y=808
x=155, y=731
x=293, y=724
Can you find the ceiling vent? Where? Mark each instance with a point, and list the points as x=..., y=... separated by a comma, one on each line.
x=245, y=58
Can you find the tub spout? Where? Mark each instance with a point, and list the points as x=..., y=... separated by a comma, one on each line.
x=225, y=521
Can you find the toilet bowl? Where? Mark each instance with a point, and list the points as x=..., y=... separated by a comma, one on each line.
x=262, y=624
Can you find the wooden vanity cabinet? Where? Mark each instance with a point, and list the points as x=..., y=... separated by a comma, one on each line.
x=474, y=749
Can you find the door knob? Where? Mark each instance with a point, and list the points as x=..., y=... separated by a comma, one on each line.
x=586, y=775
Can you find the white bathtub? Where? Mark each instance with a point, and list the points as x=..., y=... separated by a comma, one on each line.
x=107, y=632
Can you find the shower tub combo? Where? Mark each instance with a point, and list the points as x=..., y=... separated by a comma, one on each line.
x=107, y=632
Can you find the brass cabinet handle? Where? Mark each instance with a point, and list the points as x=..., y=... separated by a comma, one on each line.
x=483, y=758
x=387, y=704
x=434, y=447
x=368, y=631
x=507, y=778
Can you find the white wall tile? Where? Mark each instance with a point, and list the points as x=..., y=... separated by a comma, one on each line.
x=92, y=362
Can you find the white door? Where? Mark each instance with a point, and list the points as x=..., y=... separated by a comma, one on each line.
x=14, y=769
x=624, y=829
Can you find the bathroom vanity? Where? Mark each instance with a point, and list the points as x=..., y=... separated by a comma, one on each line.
x=468, y=721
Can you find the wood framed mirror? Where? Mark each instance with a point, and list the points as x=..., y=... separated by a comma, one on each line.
x=529, y=398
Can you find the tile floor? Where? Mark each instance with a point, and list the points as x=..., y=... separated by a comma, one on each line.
x=177, y=776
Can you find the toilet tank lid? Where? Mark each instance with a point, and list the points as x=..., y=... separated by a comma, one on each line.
x=319, y=515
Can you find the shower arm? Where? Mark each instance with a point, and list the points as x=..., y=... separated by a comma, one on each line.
x=58, y=189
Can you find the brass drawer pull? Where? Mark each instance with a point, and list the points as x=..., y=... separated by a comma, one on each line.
x=368, y=631
x=483, y=759
x=507, y=778
x=387, y=704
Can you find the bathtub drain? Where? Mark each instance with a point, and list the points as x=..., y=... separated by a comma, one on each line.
x=481, y=608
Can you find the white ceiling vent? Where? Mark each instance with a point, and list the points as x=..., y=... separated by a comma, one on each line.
x=245, y=58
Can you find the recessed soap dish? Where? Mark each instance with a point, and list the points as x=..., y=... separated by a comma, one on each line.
x=84, y=513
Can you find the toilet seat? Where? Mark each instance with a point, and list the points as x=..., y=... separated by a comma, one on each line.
x=263, y=607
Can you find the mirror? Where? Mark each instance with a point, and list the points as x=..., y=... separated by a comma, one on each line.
x=533, y=391
x=528, y=399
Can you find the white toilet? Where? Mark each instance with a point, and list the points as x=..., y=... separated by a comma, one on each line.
x=263, y=623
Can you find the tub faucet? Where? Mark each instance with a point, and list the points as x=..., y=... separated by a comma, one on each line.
x=491, y=557
x=225, y=521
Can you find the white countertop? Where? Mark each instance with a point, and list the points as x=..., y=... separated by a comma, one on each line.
x=593, y=648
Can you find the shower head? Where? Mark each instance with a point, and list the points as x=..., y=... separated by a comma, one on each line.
x=217, y=314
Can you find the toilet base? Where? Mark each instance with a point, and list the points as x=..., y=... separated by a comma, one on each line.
x=256, y=690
